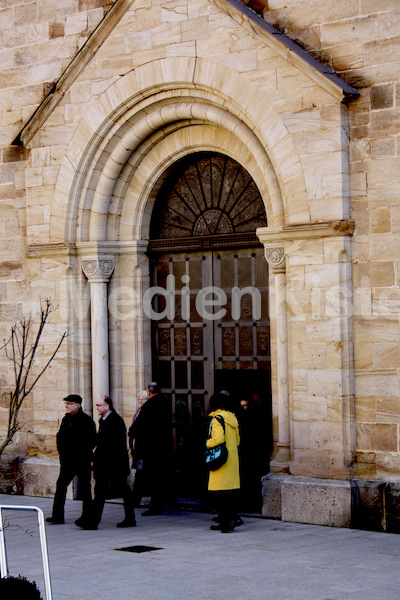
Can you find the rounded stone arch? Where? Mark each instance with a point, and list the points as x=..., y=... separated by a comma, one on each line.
x=136, y=211
x=152, y=103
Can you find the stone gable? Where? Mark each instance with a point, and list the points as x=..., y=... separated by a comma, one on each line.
x=101, y=115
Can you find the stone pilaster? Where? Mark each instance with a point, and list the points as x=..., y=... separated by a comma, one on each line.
x=98, y=270
x=275, y=256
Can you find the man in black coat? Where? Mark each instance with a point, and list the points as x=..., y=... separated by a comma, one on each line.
x=152, y=433
x=110, y=466
x=76, y=439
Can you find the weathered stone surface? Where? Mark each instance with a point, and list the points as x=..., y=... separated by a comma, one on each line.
x=272, y=495
x=387, y=466
x=15, y=154
x=365, y=465
x=388, y=409
x=376, y=52
x=310, y=13
x=382, y=96
x=392, y=502
x=368, y=507
x=84, y=5
x=98, y=158
x=40, y=477
x=308, y=500
x=56, y=30
x=11, y=270
x=51, y=10
x=377, y=437
x=348, y=56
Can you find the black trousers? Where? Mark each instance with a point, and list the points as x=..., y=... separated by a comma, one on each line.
x=226, y=504
x=102, y=491
x=156, y=481
x=140, y=486
x=67, y=473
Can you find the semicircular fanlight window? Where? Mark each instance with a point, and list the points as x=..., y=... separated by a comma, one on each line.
x=207, y=194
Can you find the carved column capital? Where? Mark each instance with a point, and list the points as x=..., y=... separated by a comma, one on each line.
x=275, y=256
x=98, y=268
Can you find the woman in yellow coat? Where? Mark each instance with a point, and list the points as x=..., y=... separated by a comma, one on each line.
x=224, y=483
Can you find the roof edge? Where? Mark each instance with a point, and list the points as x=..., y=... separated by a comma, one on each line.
x=72, y=72
x=243, y=15
x=290, y=50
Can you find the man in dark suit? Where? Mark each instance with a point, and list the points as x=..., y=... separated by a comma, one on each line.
x=152, y=434
x=76, y=439
x=111, y=466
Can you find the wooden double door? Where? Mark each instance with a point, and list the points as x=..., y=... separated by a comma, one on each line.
x=210, y=332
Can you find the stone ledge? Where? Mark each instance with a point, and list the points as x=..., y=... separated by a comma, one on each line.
x=272, y=494
x=370, y=505
x=40, y=477
x=307, y=500
x=316, y=501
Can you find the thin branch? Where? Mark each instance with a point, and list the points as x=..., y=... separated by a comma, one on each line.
x=22, y=355
x=49, y=361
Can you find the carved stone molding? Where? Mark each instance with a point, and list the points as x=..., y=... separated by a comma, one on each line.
x=275, y=256
x=278, y=235
x=98, y=268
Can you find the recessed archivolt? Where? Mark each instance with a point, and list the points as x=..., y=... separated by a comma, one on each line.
x=125, y=124
x=136, y=204
x=131, y=143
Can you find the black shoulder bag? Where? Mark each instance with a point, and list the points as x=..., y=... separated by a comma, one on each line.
x=217, y=456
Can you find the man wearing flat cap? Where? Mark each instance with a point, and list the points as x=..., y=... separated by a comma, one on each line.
x=76, y=439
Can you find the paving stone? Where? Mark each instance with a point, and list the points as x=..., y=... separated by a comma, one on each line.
x=262, y=560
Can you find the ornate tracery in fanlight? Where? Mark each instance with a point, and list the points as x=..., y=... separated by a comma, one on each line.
x=207, y=201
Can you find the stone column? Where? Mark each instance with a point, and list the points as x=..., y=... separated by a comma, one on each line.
x=276, y=259
x=98, y=270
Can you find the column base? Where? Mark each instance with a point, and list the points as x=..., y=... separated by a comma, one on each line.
x=281, y=461
x=276, y=466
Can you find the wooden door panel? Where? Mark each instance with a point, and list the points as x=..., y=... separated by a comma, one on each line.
x=191, y=350
x=240, y=343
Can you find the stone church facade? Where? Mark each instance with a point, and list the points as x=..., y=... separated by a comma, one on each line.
x=245, y=146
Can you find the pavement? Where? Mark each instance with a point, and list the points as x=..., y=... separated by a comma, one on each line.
x=177, y=556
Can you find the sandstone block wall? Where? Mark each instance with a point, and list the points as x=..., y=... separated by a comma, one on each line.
x=360, y=40
x=357, y=38
x=38, y=39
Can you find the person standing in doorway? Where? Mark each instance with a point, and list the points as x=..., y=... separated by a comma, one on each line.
x=251, y=455
x=224, y=483
x=76, y=439
x=111, y=466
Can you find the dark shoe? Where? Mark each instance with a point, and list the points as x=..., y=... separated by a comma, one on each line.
x=85, y=524
x=127, y=523
x=55, y=521
x=239, y=522
x=229, y=528
x=151, y=511
x=216, y=527
x=89, y=527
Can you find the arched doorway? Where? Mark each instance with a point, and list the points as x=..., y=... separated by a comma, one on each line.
x=210, y=322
